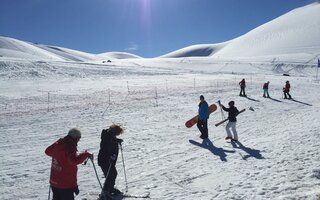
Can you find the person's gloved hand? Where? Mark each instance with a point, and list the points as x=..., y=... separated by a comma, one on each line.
x=119, y=140
x=76, y=190
x=90, y=156
x=113, y=157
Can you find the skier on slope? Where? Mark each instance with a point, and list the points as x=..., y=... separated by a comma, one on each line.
x=203, y=115
x=286, y=90
x=233, y=112
x=265, y=89
x=107, y=158
x=63, y=176
x=242, y=84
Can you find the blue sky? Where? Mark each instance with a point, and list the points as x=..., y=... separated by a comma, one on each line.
x=148, y=28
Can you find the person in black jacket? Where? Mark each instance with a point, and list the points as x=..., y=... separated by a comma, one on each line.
x=107, y=157
x=233, y=112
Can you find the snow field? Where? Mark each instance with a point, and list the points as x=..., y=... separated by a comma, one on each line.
x=276, y=158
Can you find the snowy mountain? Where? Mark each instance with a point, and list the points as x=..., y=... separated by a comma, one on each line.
x=292, y=37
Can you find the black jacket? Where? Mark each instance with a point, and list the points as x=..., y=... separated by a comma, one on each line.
x=233, y=112
x=108, y=147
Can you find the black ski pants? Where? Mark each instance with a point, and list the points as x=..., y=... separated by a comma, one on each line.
x=203, y=128
x=110, y=177
x=242, y=91
x=285, y=95
x=62, y=194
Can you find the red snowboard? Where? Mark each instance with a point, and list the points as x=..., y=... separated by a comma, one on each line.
x=194, y=120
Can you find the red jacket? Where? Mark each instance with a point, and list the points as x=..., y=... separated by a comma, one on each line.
x=64, y=162
x=286, y=87
x=242, y=83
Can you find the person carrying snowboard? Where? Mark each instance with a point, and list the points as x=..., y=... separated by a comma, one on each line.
x=63, y=176
x=203, y=115
x=265, y=89
x=107, y=158
x=242, y=84
x=286, y=90
x=232, y=114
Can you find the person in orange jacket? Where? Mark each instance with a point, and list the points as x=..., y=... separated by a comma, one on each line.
x=63, y=176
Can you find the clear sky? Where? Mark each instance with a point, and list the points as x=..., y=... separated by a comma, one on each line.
x=147, y=28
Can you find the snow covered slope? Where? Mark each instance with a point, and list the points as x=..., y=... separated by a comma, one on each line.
x=294, y=36
x=200, y=50
x=296, y=33
x=13, y=48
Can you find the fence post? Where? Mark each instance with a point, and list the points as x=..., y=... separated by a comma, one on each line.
x=109, y=96
x=128, y=87
x=48, y=100
x=194, y=83
x=156, y=97
x=167, y=86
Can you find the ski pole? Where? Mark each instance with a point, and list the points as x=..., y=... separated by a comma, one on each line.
x=124, y=169
x=95, y=170
x=49, y=192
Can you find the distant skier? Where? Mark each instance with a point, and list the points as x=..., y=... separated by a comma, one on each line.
x=63, y=176
x=286, y=90
x=242, y=84
x=107, y=158
x=203, y=115
x=232, y=113
x=265, y=89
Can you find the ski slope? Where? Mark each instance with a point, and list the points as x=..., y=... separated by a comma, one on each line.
x=46, y=90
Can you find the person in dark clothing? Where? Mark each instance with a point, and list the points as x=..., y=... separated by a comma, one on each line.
x=63, y=176
x=107, y=158
x=286, y=90
x=203, y=115
x=232, y=114
x=242, y=84
x=265, y=89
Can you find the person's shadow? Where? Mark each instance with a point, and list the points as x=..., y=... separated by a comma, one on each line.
x=250, y=152
x=207, y=144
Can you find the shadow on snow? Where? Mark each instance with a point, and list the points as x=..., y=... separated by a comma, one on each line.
x=250, y=152
x=301, y=102
x=207, y=144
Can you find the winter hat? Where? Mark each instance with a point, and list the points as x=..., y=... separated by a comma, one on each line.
x=74, y=133
x=231, y=103
x=201, y=97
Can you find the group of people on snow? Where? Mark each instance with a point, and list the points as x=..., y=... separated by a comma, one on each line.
x=63, y=176
x=265, y=87
x=203, y=111
x=65, y=156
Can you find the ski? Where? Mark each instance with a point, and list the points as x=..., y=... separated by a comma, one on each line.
x=219, y=123
x=122, y=196
x=141, y=196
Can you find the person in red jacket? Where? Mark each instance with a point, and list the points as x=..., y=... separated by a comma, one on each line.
x=242, y=84
x=286, y=90
x=63, y=176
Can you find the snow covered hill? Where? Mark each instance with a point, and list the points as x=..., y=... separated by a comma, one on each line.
x=293, y=37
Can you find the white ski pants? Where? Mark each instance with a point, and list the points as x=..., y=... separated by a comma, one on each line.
x=232, y=126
